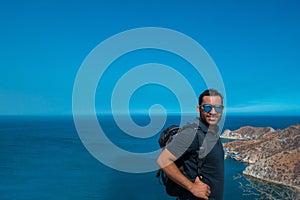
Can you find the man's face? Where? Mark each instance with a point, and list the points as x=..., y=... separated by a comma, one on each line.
x=211, y=117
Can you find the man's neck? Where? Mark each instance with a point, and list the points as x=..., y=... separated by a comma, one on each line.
x=212, y=128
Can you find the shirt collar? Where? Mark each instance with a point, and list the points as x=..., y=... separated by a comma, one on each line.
x=204, y=128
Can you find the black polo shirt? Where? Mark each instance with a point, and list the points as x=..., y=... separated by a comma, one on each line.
x=185, y=146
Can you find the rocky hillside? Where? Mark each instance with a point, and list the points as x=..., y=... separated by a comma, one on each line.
x=246, y=133
x=273, y=155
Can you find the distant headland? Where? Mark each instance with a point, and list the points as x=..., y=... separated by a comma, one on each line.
x=273, y=155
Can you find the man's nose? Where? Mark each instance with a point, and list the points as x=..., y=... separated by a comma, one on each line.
x=213, y=110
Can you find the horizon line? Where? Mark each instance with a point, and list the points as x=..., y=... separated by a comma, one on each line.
x=147, y=114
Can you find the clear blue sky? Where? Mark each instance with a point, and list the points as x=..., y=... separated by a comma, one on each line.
x=255, y=45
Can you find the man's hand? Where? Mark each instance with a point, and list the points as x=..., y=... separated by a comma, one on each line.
x=197, y=188
x=200, y=189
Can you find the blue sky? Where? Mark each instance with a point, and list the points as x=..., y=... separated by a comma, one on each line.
x=255, y=45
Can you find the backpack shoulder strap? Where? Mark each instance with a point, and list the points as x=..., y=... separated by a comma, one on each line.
x=202, y=149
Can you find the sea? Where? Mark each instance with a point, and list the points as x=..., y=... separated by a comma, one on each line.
x=43, y=157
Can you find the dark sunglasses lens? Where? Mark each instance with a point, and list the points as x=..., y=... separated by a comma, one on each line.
x=218, y=108
x=207, y=107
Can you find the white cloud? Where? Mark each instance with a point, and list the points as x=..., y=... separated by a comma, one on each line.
x=264, y=108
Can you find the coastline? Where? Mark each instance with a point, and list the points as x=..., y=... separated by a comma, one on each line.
x=297, y=188
x=272, y=155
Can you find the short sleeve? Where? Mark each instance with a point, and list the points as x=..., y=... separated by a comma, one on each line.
x=183, y=142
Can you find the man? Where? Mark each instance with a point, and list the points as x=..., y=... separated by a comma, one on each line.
x=208, y=182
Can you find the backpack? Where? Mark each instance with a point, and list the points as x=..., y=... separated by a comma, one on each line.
x=166, y=136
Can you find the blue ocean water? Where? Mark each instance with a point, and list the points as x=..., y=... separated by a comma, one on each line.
x=43, y=158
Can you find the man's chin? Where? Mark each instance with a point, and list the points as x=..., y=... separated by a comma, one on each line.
x=212, y=121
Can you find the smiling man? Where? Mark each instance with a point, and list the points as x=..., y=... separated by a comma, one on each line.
x=198, y=168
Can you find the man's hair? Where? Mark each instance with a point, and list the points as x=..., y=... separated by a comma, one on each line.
x=209, y=92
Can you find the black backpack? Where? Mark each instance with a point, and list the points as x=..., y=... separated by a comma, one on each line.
x=172, y=188
x=167, y=135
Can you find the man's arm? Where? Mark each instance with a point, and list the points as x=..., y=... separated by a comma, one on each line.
x=166, y=163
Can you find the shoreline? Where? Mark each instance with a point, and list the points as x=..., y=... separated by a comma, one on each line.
x=272, y=155
x=293, y=187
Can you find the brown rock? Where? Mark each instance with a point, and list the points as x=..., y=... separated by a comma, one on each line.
x=274, y=155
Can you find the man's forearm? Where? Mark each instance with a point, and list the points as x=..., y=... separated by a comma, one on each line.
x=177, y=176
x=166, y=161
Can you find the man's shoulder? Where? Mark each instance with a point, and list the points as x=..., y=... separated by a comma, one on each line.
x=190, y=130
x=189, y=126
x=193, y=127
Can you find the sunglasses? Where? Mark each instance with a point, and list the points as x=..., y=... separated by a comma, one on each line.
x=208, y=107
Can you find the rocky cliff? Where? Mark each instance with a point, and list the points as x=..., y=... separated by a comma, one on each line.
x=246, y=133
x=273, y=155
